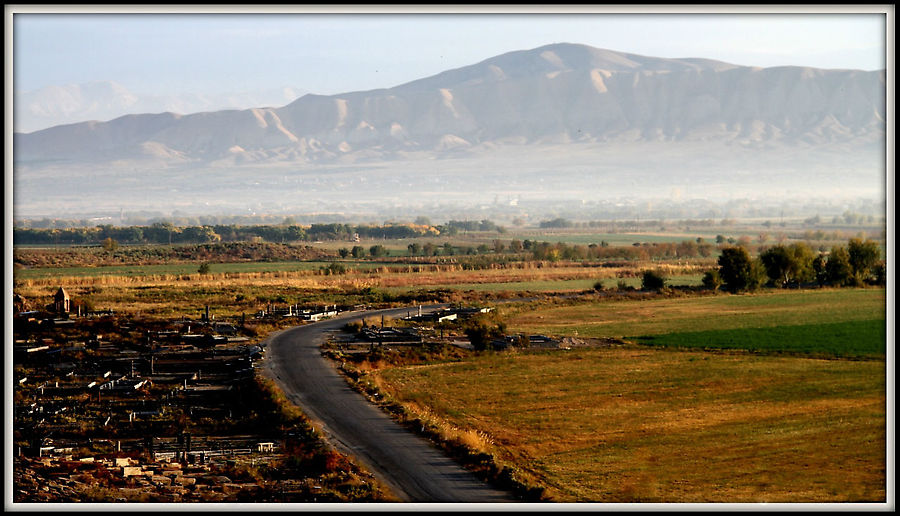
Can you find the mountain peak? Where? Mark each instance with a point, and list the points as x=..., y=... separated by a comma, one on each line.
x=557, y=57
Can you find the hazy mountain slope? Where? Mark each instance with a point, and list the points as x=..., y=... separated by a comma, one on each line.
x=553, y=94
x=106, y=100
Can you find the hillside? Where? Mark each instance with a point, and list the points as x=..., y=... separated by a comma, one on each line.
x=561, y=121
x=553, y=94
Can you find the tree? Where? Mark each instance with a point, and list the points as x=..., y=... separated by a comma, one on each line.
x=880, y=273
x=378, y=250
x=711, y=280
x=414, y=249
x=357, y=251
x=344, y=252
x=204, y=268
x=448, y=249
x=837, y=270
x=110, y=245
x=818, y=266
x=738, y=271
x=652, y=280
x=788, y=265
x=481, y=332
x=863, y=257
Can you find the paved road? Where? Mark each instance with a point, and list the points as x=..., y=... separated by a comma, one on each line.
x=412, y=467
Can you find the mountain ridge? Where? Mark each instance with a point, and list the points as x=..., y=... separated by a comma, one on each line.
x=554, y=93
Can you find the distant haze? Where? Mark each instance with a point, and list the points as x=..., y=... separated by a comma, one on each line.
x=562, y=121
x=106, y=100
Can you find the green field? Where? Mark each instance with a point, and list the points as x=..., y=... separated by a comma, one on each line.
x=627, y=319
x=843, y=339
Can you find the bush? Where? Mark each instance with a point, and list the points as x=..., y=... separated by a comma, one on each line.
x=203, y=269
x=481, y=332
x=110, y=244
x=653, y=280
x=334, y=268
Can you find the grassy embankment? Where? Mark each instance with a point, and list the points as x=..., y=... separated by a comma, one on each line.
x=656, y=424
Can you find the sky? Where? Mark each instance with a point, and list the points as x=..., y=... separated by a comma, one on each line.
x=156, y=53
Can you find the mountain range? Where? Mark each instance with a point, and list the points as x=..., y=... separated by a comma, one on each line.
x=106, y=100
x=554, y=102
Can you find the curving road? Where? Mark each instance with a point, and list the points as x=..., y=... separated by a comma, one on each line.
x=413, y=468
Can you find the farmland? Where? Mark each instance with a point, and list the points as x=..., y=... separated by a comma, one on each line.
x=647, y=425
x=668, y=418
x=676, y=315
x=682, y=394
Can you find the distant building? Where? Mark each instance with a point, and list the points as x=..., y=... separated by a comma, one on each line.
x=61, y=302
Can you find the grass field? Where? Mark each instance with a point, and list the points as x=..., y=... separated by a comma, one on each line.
x=670, y=421
x=709, y=313
x=852, y=339
x=644, y=425
x=235, y=288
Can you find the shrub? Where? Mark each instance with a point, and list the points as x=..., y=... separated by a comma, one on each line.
x=653, y=280
x=334, y=268
x=110, y=244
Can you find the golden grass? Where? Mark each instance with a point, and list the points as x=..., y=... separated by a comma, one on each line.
x=170, y=293
x=625, y=425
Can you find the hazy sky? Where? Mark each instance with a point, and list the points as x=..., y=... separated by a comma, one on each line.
x=336, y=53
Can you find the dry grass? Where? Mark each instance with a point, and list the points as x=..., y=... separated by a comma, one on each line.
x=629, y=425
x=166, y=294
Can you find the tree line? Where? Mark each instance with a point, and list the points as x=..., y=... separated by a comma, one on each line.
x=856, y=264
x=167, y=233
